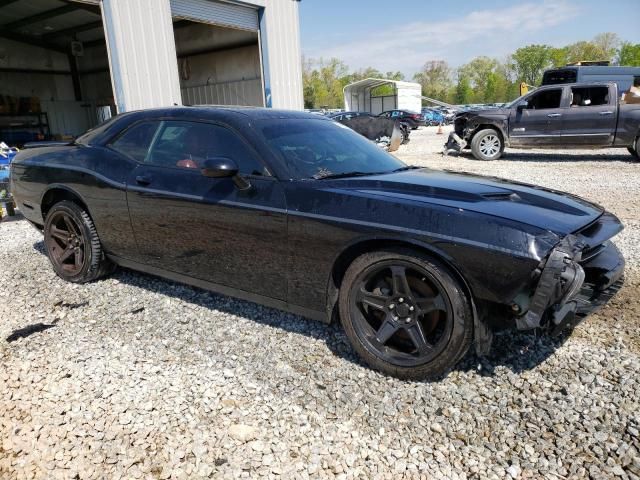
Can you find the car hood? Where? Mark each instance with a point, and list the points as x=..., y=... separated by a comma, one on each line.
x=487, y=112
x=558, y=212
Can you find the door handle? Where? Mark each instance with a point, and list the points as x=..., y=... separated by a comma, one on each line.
x=143, y=180
x=553, y=115
x=608, y=112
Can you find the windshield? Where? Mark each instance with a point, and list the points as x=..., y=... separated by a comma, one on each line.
x=516, y=101
x=320, y=149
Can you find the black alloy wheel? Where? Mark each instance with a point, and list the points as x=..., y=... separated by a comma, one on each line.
x=65, y=243
x=72, y=244
x=633, y=150
x=405, y=315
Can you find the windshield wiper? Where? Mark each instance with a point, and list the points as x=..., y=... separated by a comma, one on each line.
x=345, y=175
x=408, y=167
x=356, y=173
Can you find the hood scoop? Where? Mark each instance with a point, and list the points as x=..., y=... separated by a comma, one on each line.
x=502, y=196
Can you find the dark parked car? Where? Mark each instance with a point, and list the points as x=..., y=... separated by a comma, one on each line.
x=413, y=119
x=338, y=116
x=580, y=115
x=298, y=212
x=371, y=126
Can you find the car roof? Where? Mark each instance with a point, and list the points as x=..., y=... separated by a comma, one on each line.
x=576, y=84
x=237, y=117
x=221, y=112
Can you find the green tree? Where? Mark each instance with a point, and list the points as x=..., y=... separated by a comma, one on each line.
x=629, y=54
x=463, y=91
x=435, y=79
x=608, y=43
x=323, y=82
x=585, y=51
x=530, y=62
x=558, y=57
x=489, y=80
x=498, y=87
x=478, y=71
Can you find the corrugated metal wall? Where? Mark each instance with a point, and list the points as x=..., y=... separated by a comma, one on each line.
x=282, y=57
x=70, y=117
x=410, y=97
x=142, y=53
x=241, y=92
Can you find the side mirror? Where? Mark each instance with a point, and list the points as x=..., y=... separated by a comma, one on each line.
x=219, y=167
x=522, y=105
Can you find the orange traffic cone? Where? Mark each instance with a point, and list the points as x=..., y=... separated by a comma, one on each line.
x=439, y=132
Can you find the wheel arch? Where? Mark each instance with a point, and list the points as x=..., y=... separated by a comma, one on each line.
x=364, y=245
x=491, y=126
x=57, y=193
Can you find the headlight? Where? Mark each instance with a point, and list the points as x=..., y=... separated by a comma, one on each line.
x=573, y=278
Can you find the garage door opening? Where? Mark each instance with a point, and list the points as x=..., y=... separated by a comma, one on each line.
x=54, y=70
x=218, y=65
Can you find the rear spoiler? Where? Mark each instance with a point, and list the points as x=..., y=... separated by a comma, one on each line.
x=52, y=143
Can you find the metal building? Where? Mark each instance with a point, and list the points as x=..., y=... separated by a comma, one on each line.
x=64, y=63
x=367, y=96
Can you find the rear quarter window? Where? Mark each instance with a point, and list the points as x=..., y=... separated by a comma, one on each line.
x=554, y=77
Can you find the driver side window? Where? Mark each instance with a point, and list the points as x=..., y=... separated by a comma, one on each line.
x=545, y=99
x=189, y=145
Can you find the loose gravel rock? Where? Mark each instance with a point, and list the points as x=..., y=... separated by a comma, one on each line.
x=136, y=377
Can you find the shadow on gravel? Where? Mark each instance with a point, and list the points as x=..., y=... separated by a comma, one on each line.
x=516, y=351
x=28, y=331
x=556, y=157
x=16, y=218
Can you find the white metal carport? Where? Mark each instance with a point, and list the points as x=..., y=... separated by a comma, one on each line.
x=360, y=96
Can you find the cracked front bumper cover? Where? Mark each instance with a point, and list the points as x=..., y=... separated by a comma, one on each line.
x=571, y=288
x=454, y=144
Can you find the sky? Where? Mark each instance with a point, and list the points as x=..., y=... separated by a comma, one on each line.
x=402, y=35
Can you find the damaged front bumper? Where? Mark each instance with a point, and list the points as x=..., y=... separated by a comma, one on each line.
x=455, y=144
x=580, y=275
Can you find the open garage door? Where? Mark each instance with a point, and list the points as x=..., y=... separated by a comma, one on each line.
x=218, y=49
x=54, y=72
x=216, y=13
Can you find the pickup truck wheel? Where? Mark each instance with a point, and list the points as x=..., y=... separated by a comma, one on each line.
x=487, y=144
x=73, y=245
x=405, y=314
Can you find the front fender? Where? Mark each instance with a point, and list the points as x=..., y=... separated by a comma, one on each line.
x=475, y=124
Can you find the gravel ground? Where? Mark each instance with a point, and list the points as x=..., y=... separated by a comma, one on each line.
x=136, y=377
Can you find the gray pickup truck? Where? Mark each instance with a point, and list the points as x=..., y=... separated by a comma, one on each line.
x=578, y=115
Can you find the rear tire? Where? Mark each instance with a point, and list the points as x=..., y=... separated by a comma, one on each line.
x=73, y=245
x=487, y=145
x=405, y=314
x=633, y=150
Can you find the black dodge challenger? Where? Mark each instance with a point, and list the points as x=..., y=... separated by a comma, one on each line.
x=298, y=212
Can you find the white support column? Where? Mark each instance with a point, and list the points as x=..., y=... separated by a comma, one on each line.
x=142, y=53
x=281, y=54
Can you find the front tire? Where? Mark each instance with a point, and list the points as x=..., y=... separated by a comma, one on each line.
x=487, y=145
x=405, y=314
x=73, y=245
